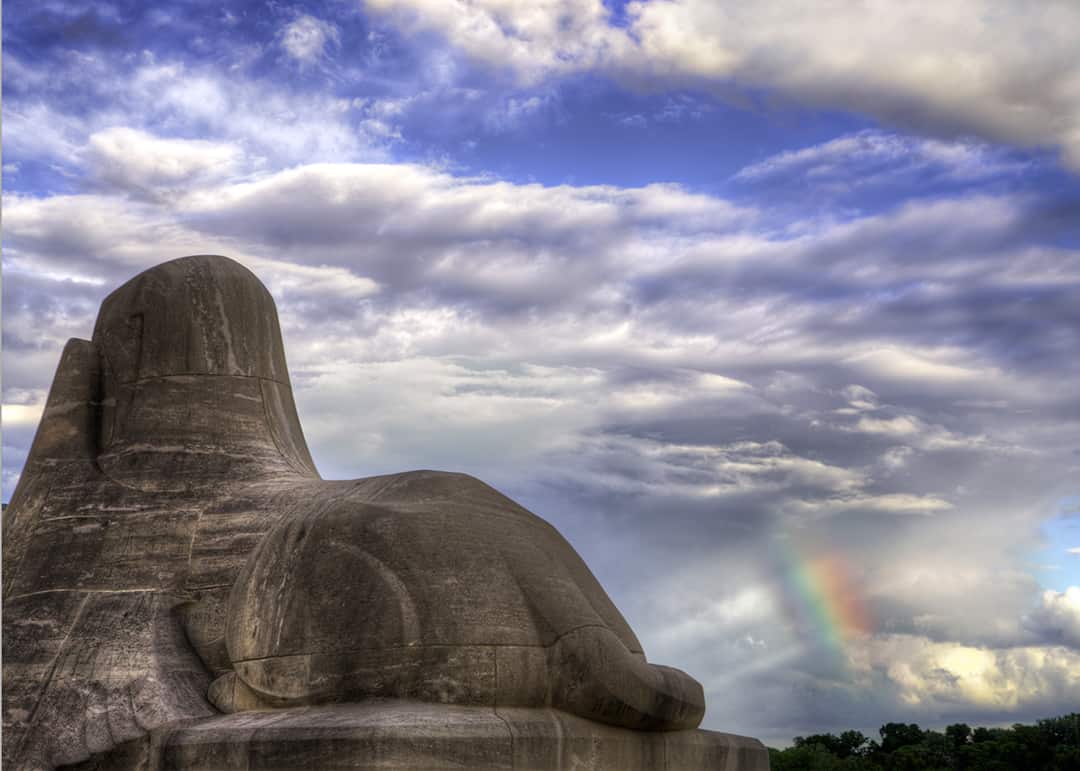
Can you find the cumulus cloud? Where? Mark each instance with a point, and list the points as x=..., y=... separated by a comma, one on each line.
x=939, y=676
x=136, y=161
x=1058, y=617
x=1023, y=87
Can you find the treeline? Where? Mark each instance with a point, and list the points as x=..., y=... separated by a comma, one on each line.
x=1049, y=745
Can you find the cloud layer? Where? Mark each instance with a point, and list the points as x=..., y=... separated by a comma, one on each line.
x=1001, y=70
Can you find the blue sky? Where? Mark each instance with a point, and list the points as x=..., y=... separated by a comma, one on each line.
x=690, y=279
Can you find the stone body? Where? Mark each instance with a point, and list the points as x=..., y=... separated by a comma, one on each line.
x=171, y=554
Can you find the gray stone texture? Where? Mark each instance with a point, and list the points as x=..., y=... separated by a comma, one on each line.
x=182, y=590
x=378, y=734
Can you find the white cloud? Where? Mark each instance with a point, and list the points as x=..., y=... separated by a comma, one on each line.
x=1058, y=617
x=140, y=135
x=872, y=157
x=287, y=280
x=927, y=366
x=888, y=503
x=860, y=397
x=306, y=38
x=639, y=466
x=64, y=234
x=1002, y=71
x=512, y=112
x=715, y=616
x=901, y=426
x=27, y=415
x=948, y=678
x=277, y=125
x=533, y=39
x=141, y=162
x=36, y=130
x=932, y=584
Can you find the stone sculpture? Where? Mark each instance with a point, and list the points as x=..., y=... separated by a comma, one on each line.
x=182, y=590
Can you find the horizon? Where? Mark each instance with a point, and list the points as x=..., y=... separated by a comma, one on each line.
x=771, y=312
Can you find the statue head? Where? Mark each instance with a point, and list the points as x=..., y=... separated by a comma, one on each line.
x=199, y=315
x=193, y=377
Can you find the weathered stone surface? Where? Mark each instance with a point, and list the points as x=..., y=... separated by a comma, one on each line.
x=380, y=734
x=171, y=552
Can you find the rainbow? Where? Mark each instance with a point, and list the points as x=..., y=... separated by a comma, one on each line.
x=821, y=597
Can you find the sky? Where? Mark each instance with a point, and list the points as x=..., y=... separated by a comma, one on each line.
x=771, y=308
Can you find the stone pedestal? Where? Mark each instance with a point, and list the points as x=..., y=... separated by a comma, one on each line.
x=416, y=736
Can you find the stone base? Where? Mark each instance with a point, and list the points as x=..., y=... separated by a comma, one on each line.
x=390, y=735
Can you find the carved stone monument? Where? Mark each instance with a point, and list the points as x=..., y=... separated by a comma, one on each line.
x=183, y=591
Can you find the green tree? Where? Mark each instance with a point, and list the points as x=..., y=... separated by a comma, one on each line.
x=846, y=745
x=854, y=743
x=980, y=735
x=1052, y=744
x=958, y=739
x=897, y=735
x=807, y=757
x=1061, y=731
x=959, y=734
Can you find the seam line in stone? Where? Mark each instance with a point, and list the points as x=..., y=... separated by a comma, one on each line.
x=405, y=646
x=119, y=515
x=153, y=590
x=148, y=378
